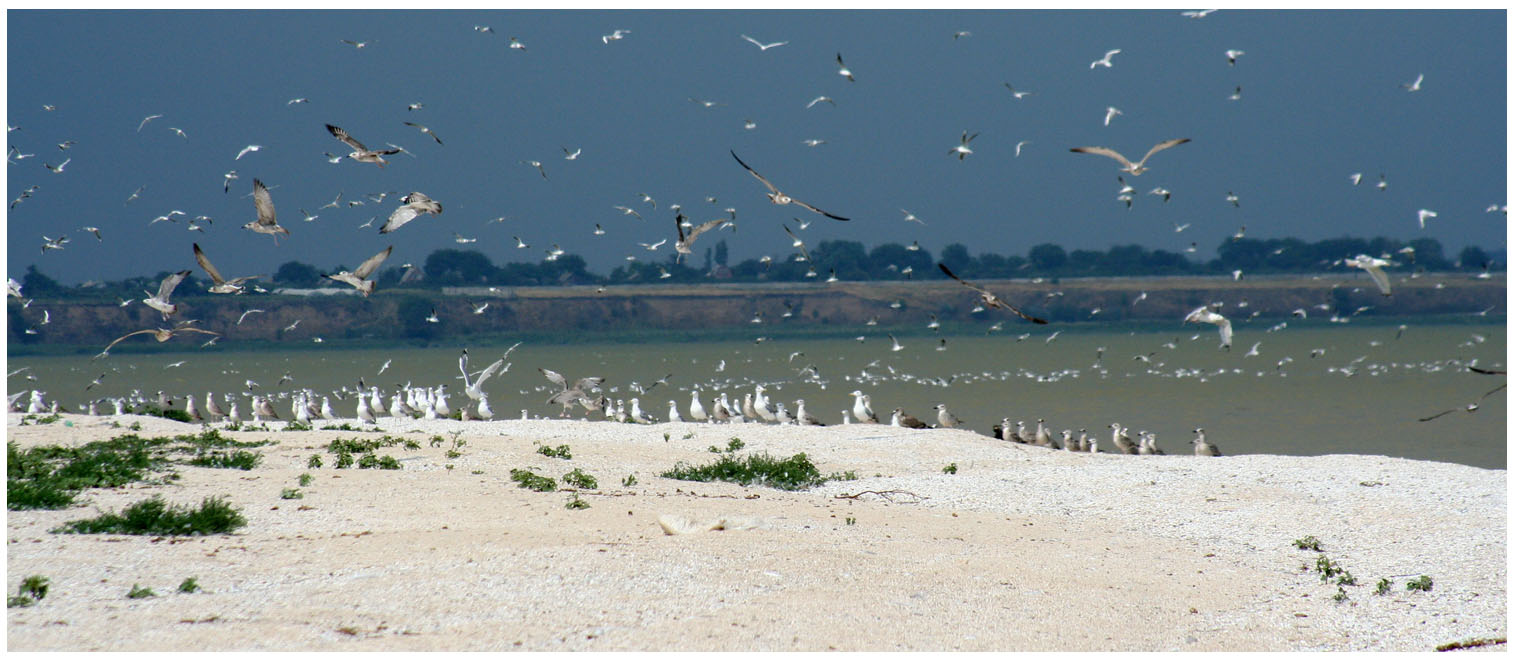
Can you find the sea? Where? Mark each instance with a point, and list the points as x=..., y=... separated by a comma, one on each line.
x=1305, y=387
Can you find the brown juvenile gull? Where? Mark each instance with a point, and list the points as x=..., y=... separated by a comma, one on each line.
x=359, y=277
x=414, y=205
x=221, y=285
x=988, y=298
x=359, y=152
x=780, y=198
x=161, y=335
x=685, y=241
x=570, y=396
x=1126, y=165
x=267, y=222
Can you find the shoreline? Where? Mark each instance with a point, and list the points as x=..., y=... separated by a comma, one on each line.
x=1023, y=548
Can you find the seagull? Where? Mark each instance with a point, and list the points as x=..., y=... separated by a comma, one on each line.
x=653, y=247
x=820, y=99
x=1423, y=215
x=705, y=103
x=812, y=142
x=538, y=166
x=895, y=345
x=909, y=217
x=220, y=285
x=962, y=150
x=292, y=102
x=475, y=389
x=1356, y=178
x=843, y=70
x=798, y=243
x=617, y=35
x=578, y=394
x=1204, y=314
x=686, y=241
x=1110, y=113
x=245, y=150
x=161, y=335
x=1231, y=56
x=180, y=132
x=960, y=34
x=267, y=222
x=1018, y=147
x=309, y=217
x=1202, y=447
x=359, y=152
x=1374, y=267
x=1019, y=94
x=1231, y=198
x=355, y=44
x=1414, y=86
x=145, y=120
x=432, y=318
x=763, y=46
x=1235, y=96
x=48, y=243
x=516, y=44
x=988, y=298
x=1162, y=192
x=226, y=180
x=413, y=205
x=479, y=309
x=1383, y=184
x=93, y=230
x=629, y=211
x=247, y=312
x=1105, y=61
x=463, y=240
x=1134, y=168
x=569, y=156
x=332, y=158
x=779, y=198
x=159, y=302
x=359, y=277
x=1198, y=14
x=425, y=131
x=58, y=168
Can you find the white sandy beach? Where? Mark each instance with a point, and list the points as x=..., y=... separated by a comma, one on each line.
x=1023, y=549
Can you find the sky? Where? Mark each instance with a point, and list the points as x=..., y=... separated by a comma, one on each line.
x=1323, y=96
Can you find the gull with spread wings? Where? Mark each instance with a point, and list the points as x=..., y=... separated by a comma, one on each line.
x=221, y=285
x=685, y=241
x=576, y=395
x=159, y=301
x=268, y=222
x=359, y=152
x=989, y=299
x=779, y=197
x=359, y=277
x=414, y=205
x=161, y=335
x=1126, y=165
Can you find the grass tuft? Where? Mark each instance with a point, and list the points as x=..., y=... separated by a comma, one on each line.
x=533, y=482
x=792, y=473
x=579, y=479
x=156, y=517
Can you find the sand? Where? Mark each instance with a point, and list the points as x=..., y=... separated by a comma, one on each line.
x=1022, y=549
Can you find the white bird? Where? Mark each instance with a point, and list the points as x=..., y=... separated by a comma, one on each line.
x=245, y=150
x=537, y=165
x=896, y=346
x=358, y=278
x=413, y=205
x=1231, y=198
x=842, y=69
x=820, y=99
x=1198, y=14
x=778, y=197
x=1110, y=113
x=1231, y=56
x=359, y=152
x=426, y=131
x=861, y=409
x=1126, y=165
x=267, y=222
x=463, y=240
x=1105, y=61
x=945, y=418
x=58, y=168
x=1414, y=86
x=617, y=35
x=1424, y=214
x=475, y=389
x=1356, y=178
x=479, y=309
x=159, y=301
x=1202, y=447
x=763, y=46
x=1236, y=95
x=569, y=156
x=686, y=240
x=1374, y=266
x=1018, y=147
x=219, y=285
x=962, y=151
x=1205, y=315
x=145, y=120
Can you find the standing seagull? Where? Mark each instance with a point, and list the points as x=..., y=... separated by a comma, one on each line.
x=1204, y=314
x=1374, y=267
x=159, y=302
x=359, y=152
x=1202, y=447
x=1134, y=168
x=220, y=285
x=778, y=197
x=359, y=277
x=267, y=222
x=988, y=298
x=414, y=205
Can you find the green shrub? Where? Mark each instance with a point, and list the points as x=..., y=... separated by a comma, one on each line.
x=578, y=478
x=575, y=503
x=561, y=452
x=243, y=460
x=1308, y=542
x=189, y=585
x=792, y=473
x=139, y=592
x=291, y=493
x=1422, y=583
x=155, y=517
x=31, y=590
x=532, y=481
x=306, y=480
x=950, y=469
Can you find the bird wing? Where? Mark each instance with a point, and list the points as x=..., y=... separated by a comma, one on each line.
x=371, y=264
x=587, y=384
x=1225, y=331
x=113, y=342
x=554, y=377
x=827, y=214
x=342, y=136
x=1198, y=314
x=478, y=382
x=400, y=216
x=208, y=267
x=754, y=172
x=1105, y=151
x=799, y=243
x=168, y=285
x=1380, y=278
x=700, y=229
x=1162, y=146
x=754, y=41
x=265, y=204
x=989, y=296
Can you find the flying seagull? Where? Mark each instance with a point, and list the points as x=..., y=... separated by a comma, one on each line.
x=962, y=151
x=245, y=150
x=578, y=394
x=425, y=131
x=145, y=120
x=843, y=70
x=1205, y=315
x=1414, y=86
x=778, y=197
x=267, y=222
x=414, y=205
x=686, y=241
x=161, y=335
x=988, y=298
x=359, y=152
x=762, y=45
x=221, y=285
x=1127, y=166
x=359, y=277
x=1105, y=61
x=1110, y=113
x=1374, y=267
x=159, y=301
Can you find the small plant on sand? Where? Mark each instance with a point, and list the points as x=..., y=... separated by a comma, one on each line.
x=243, y=460
x=189, y=585
x=1383, y=586
x=575, y=503
x=731, y=446
x=345, y=427
x=291, y=493
x=851, y=521
x=1341, y=594
x=533, y=482
x=562, y=452
x=156, y=517
x=1326, y=568
x=296, y=426
x=139, y=592
x=1309, y=543
x=1421, y=583
x=306, y=480
x=579, y=479
x=31, y=590
x=950, y=469
x=629, y=480
x=792, y=473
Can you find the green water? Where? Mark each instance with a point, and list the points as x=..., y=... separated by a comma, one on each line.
x=1362, y=395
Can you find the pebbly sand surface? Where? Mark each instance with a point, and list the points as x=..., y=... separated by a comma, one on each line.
x=1023, y=549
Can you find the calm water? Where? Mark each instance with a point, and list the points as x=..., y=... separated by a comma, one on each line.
x=1362, y=394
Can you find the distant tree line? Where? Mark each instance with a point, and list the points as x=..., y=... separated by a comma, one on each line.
x=846, y=260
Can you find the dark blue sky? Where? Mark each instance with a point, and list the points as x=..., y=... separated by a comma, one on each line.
x=1321, y=99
